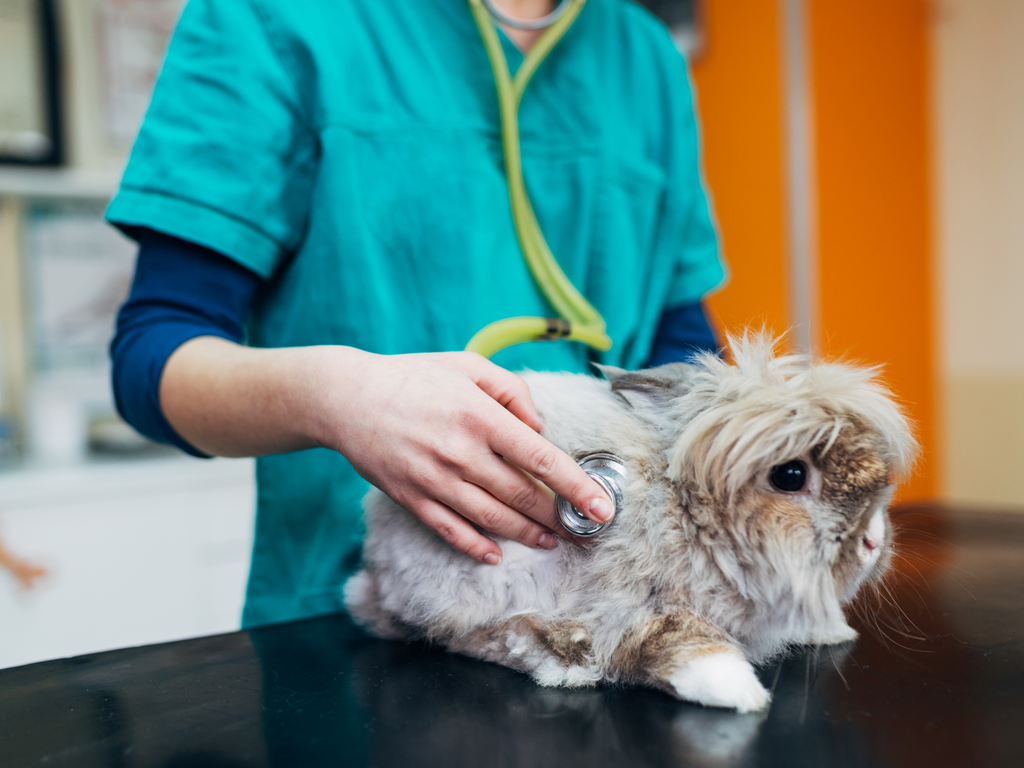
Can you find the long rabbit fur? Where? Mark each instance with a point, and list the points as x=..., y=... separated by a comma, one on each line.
x=708, y=569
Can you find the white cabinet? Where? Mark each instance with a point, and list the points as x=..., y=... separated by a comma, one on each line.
x=138, y=552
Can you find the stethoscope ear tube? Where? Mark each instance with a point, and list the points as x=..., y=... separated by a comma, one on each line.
x=585, y=323
x=530, y=25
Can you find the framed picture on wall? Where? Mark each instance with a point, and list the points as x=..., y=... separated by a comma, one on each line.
x=684, y=19
x=80, y=270
x=30, y=119
x=133, y=40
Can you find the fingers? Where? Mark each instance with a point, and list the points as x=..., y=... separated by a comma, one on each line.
x=506, y=388
x=448, y=438
x=457, y=532
x=537, y=456
x=554, y=468
x=491, y=514
x=514, y=488
x=530, y=497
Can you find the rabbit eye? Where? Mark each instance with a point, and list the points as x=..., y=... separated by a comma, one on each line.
x=789, y=477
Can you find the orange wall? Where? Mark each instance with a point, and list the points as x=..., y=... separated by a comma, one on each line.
x=739, y=98
x=870, y=90
x=870, y=81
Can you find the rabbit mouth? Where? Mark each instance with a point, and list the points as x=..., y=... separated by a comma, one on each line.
x=868, y=559
x=872, y=542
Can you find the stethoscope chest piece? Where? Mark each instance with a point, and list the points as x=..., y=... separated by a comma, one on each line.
x=610, y=473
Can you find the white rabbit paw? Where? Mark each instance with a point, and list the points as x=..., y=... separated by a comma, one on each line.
x=837, y=635
x=562, y=660
x=720, y=680
x=553, y=673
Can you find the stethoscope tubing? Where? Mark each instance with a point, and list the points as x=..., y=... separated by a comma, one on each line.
x=529, y=25
x=578, y=319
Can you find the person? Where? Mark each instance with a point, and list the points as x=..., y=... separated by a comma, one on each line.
x=323, y=222
x=22, y=571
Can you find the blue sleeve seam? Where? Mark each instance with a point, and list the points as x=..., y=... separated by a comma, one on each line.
x=201, y=204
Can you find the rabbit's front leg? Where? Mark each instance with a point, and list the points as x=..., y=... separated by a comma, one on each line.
x=553, y=653
x=688, y=657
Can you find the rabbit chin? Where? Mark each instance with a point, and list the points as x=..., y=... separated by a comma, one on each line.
x=873, y=552
x=780, y=588
x=811, y=614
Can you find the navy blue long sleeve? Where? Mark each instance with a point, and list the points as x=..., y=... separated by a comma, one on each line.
x=682, y=332
x=181, y=290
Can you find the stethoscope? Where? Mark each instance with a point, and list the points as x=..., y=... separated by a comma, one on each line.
x=578, y=320
x=531, y=25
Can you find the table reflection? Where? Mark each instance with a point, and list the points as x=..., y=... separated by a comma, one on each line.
x=411, y=704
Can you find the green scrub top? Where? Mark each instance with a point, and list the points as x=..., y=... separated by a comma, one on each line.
x=349, y=153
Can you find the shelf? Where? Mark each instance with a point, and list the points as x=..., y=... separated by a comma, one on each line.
x=58, y=183
x=32, y=486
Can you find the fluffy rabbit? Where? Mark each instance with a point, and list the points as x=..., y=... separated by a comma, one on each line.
x=756, y=507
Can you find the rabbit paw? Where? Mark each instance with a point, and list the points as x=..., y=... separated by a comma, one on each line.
x=551, y=673
x=840, y=635
x=720, y=680
x=559, y=656
x=363, y=602
x=837, y=634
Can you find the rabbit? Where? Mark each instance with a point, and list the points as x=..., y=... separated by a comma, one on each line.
x=756, y=507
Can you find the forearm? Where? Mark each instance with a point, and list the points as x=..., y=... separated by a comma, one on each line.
x=231, y=400
x=181, y=291
x=450, y=436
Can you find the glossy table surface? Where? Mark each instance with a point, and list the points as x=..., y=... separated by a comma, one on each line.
x=936, y=679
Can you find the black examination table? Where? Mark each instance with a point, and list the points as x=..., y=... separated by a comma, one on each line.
x=936, y=679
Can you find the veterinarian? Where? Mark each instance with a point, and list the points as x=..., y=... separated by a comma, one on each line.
x=323, y=221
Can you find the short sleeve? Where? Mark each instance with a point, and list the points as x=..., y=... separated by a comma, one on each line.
x=699, y=268
x=226, y=157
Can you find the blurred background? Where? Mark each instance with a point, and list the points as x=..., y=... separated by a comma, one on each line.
x=867, y=166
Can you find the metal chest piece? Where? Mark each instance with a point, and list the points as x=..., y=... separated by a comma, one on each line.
x=610, y=473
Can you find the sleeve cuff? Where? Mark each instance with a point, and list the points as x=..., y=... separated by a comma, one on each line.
x=139, y=358
x=693, y=284
x=197, y=223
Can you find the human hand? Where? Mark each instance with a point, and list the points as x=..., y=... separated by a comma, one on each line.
x=453, y=439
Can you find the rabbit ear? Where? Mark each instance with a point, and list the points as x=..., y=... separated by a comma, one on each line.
x=652, y=389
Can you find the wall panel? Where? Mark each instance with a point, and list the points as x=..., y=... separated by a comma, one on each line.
x=871, y=85
x=870, y=80
x=738, y=88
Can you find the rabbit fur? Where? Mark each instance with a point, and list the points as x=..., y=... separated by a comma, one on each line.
x=708, y=568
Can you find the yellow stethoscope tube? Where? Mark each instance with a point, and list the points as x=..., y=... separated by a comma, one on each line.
x=578, y=320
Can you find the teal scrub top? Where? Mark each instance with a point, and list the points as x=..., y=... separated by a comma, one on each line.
x=349, y=153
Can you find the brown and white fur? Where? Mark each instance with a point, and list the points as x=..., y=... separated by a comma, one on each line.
x=707, y=569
